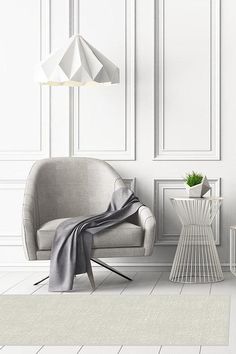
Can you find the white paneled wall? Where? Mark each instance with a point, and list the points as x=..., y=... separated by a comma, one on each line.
x=165, y=118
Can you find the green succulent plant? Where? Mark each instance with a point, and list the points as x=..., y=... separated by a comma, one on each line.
x=194, y=178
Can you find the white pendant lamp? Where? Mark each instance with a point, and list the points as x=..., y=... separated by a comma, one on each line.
x=77, y=64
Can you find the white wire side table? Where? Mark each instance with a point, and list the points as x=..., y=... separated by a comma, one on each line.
x=196, y=259
x=233, y=250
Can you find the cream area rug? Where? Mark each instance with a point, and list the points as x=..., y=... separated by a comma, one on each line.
x=114, y=320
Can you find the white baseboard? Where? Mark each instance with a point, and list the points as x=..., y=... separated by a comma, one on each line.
x=44, y=266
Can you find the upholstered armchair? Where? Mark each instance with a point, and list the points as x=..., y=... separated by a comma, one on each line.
x=61, y=188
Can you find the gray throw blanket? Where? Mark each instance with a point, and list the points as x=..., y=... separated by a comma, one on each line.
x=72, y=244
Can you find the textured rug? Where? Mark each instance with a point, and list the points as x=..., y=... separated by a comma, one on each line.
x=114, y=320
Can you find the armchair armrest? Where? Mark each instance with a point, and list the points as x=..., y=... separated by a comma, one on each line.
x=147, y=221
x=30, y=222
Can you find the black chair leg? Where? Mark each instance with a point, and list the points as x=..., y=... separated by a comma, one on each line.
x=40, y=281
x=103, y=264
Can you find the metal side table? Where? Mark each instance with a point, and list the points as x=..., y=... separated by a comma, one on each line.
x=196, y=259
x=233, y=250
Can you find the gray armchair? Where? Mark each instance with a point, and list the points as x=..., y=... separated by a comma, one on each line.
x=61, y=188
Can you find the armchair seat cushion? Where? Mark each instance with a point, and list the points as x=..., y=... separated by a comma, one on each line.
x=122, y=235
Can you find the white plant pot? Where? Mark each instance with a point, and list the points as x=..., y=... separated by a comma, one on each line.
x=199, y=190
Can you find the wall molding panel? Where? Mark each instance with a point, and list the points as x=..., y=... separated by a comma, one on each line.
x=7, y=187
x=125, y=150
x=168, y=224
x=181, y=95
x=44, y=10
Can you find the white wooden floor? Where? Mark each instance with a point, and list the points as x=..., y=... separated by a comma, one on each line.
x=144, y=282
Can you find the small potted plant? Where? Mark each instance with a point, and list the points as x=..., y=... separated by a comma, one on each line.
x=196, y=185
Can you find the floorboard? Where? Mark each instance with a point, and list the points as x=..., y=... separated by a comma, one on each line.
x=142, y=284
x=114, y=284
x=27, y=286
x=179, y=350
x=11, y=279
x=59, y=350
x=139, y=350
x=20, y=350
x=100, y=350
x=165, y=287
x=82, y=284
x=196, y=289
x=43, y=290
x=218, y=350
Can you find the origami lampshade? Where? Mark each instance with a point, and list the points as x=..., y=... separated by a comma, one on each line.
x=77, y=64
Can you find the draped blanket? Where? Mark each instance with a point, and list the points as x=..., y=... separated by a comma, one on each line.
x=72, y=244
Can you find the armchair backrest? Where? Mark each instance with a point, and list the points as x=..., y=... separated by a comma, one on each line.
x=69, y=187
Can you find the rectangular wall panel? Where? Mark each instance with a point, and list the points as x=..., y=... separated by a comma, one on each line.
x=11, y=197
x=168, y=223
x=24, y=109
x=103, y=117
x=187, y=64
